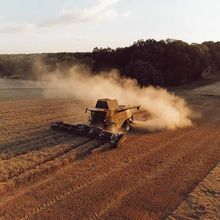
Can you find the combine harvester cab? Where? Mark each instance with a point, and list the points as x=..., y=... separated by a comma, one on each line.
x=106, y=119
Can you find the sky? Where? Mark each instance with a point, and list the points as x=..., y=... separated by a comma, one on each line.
x=35, y=26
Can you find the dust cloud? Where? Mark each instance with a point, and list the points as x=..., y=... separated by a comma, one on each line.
x=165, y=109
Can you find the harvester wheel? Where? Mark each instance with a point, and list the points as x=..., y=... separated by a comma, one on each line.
x=127, y=126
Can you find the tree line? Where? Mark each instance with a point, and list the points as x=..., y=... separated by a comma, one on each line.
x=164, y=63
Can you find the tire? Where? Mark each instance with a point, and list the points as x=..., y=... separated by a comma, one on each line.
x=127, y=127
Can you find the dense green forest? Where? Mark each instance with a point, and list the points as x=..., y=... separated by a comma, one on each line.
x=164, y=63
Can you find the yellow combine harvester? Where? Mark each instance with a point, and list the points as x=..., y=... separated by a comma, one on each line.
x=105, y=118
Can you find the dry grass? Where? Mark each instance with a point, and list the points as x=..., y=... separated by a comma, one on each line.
x=44, y=174
x=204, y=201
